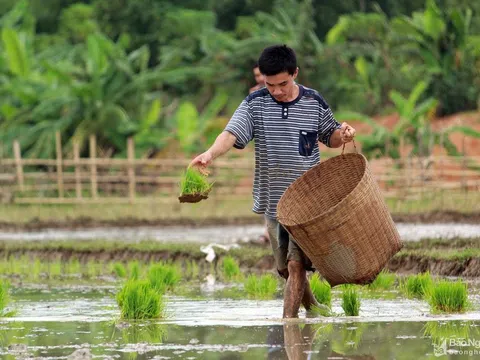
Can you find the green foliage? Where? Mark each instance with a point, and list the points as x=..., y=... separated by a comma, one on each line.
x=384, y=281
x=417, y=285
x=4, y=295
x=449, y=297
x=163, y=277
x=230, y=268
x=138, y=300
x=119, y=270
x=193, y=182
x=134, y=270
x=350, y=300
x=263, y=287
x=321, y=289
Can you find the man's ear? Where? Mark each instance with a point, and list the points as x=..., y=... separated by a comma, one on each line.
x=295, y=74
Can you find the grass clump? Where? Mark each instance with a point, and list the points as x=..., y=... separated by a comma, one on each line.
x=417, y=285
x=263, y=287
x=163, y=277
x=4, y=295
x=194, y=182
x=230, y=268
x=449, y=297
x=322, y=290
x=134, y=270
x=119, y=270
x=350, y=301
x=138, y=300
x=384, y=281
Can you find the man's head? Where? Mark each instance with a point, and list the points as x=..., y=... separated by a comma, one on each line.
x=259, y=79
x=278, y=64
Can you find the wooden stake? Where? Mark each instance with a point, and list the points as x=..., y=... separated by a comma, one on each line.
x=18, y=164
x=131, y=169
x=76, y=160
x=93, y=166
x=58, y=145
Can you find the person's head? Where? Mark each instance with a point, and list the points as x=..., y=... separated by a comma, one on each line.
x=259, y=79
x=278, y=64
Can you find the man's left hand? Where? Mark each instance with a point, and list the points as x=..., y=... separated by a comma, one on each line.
x=347, y=133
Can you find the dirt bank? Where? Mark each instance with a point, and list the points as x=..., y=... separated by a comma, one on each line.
x=86, y=222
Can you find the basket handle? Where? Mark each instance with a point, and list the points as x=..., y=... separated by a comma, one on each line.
x=355, y=146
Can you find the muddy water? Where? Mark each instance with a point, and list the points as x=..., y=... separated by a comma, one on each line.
x=57, y=323
x=224, y=234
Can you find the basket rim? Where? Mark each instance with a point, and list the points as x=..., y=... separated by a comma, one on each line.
x=333, y=208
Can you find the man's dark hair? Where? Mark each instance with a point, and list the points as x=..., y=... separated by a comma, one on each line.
x=255, y=65
x=277, y=59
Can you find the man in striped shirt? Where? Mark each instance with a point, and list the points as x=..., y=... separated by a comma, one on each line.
x=287, y=122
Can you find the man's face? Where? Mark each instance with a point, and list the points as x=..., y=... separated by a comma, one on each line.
x=259, y=78
x=281, y=86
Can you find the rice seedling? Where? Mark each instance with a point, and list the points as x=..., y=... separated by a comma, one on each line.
x=74, y=267
x=417, y=285
x=230, y=268
x=55, y=269
x=321, y=289
x=37, y=269
x=261, y=287
x=134, y=270
x=192, y=270
x=4, y=295
x=138, y=300
x=384, y=281
x=119, y=270
x=194, y=186
x=350, y=300
x=163, y=277
x=447, y=296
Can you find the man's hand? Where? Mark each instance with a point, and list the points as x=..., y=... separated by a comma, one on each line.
x=347, y=133
x=202, y=161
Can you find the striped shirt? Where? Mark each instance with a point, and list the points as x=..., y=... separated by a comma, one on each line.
x=286, y=135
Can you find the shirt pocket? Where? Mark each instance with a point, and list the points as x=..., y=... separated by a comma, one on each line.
x=306, y=142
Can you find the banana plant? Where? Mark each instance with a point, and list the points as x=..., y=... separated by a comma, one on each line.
x=196, y=130
x=414, y=126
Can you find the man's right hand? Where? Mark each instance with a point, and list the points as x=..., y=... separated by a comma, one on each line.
x=202, y=161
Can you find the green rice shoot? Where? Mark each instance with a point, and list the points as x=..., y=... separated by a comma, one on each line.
x=119, y=270
x=385, y=280
x=321, y=289
x=164, y=277
x=263, y=287
x=230, y=268
x=194, y=182
x=138, y=300
x=4, y=295
x=134, y=270
x=350, y=300
x=449, y=297
x=416, y=286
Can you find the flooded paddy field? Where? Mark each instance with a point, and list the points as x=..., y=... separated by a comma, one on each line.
x=82, y=322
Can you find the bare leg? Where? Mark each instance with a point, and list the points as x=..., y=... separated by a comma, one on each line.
x=308, y=299
x=295, y=289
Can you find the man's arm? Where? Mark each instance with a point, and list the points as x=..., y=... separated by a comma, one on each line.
x=223, y=143
x=341, y=136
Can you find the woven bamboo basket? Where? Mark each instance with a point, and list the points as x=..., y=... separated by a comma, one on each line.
x=337, y=215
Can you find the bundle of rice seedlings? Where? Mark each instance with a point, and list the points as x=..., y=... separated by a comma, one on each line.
x=119, y=270
x=321, y=289
x=417, y=285
x=350, y=300
x=4, y=295
x=263, y=287
x=447, y=296
x=230, y=268
x=163, y=277
x=384, y=281
x=194, y=186
x=138, y=300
